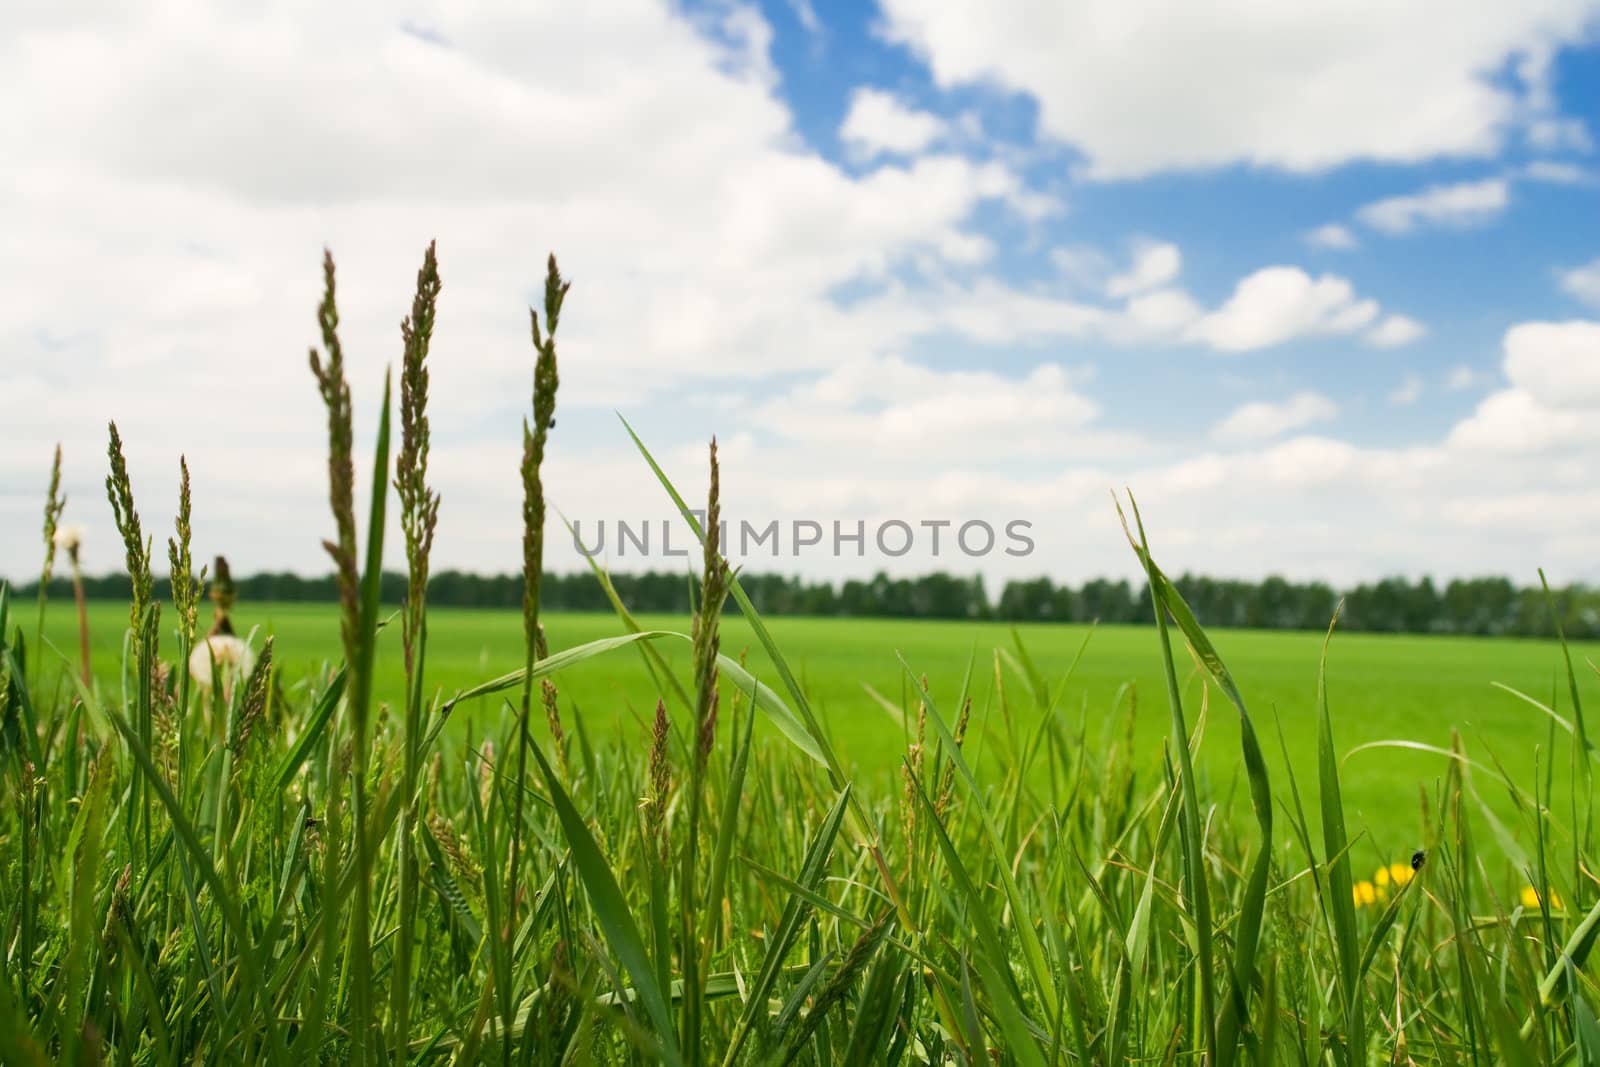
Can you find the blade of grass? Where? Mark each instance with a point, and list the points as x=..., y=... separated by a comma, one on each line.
x=794, y=913
x=1189, y=817
x=611, y=911
x=1335, y=844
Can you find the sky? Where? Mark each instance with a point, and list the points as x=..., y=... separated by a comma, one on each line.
x=1319, y=283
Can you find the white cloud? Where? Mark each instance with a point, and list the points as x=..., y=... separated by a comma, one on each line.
x=1262, y=421
x=1583, y=282
x=213, y=154
x=1512, y=421
x=1276, y=304
x=1408, y=392
x=1334, y=83
x=1460, y=204
x=1553, y=397
x=1557, y=134
x=879, y=122
x=1395, y=331
x=1155, y=263
x=1158, y=316
x=1552, y=172
x=1334, y=236
x=1510, y=488
x=806, y=15
x=1270, y=307
x=893, y=407
x=1461, y=377
x=1556, y=363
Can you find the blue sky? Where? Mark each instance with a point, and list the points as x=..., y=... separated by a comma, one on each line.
x=1322, y=289
x=1467, y=282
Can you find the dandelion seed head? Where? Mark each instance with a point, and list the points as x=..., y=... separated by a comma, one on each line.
x=228, y=652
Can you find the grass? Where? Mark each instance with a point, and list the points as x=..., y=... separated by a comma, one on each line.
x=527, y=838
x=1382, y=686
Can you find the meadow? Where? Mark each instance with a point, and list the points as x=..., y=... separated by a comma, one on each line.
x=404, y=835
x=1383, y=687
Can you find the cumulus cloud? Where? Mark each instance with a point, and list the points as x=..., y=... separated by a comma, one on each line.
x=880, y=122
x=806, y=15
x=1460, y=204
x=168, y=218
x=1554, y=172
x=1512, y=421
x=1559, y=134
x=1395, y=331
x=1332, y=235
x=892, y=406
x=1553, y=396
x=1270, y=307
x=1278, y=303
x=1263, y=420
x=1583, y=282
x=1155, y=263
x=1332, y=84
x=1556, y=363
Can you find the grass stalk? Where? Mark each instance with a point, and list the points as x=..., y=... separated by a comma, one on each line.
x=358, y=627
x=419, y=516
x=546, y=381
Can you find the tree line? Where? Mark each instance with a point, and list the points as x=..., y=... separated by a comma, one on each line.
x=1484, y=606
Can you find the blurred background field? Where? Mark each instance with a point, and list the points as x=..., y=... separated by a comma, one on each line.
x=1381, y=687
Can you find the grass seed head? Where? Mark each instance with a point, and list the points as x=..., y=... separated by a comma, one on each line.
x=948, y=781
x=184, y=594
x=660, y=786
x=120, y=492
x=257, y=693
x=707, y=636
x=454, y=851
x=335, y=391
x=552, y=715
x=419, y=505
x=843, y=980
x=54, y=503
x=545, y=382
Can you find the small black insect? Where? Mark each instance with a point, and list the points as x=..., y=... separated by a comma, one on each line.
x=1418, y=858
x=312, y=823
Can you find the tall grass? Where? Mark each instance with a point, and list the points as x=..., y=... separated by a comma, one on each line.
x=277, y=871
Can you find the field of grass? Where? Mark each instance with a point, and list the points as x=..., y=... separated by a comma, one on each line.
x=448, y=837
x=1381, y=687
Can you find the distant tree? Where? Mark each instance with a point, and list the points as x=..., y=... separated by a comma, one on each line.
x=1481, y=606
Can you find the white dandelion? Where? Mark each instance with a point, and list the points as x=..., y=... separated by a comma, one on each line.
x=231, y=656
x=68, y=539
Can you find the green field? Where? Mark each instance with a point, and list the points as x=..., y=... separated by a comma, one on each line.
x=1381, y=687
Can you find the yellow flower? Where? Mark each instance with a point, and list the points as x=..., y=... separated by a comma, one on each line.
x=1380, y=877
x=1401, y=873
x=1530, y=898
x=1364, y=894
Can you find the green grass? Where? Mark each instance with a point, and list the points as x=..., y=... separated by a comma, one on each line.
x=1381, y=686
